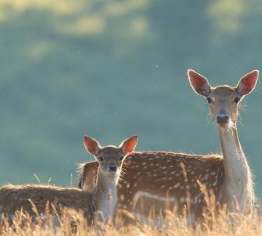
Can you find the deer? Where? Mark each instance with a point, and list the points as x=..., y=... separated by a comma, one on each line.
x=236, y=190
x=155, y=181
x=97, y=205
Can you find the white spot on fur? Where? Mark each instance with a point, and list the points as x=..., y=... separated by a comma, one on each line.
x=182, y=200
x=148, y=195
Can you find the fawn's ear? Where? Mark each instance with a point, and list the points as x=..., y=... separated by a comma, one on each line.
x=247, y=83
x=88, y=175
x=128, y=145
x=198, y=83
x=91, y=145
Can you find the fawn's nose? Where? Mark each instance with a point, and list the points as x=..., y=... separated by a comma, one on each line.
x=222, y=118
x=112, y=167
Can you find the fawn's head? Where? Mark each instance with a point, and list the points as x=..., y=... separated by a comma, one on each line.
x=110, y=157
x=223, y=100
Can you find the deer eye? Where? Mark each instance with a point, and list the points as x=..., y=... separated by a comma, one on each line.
x=209, y=100
x=121, y=158
x=237, y=99
x=101, y=158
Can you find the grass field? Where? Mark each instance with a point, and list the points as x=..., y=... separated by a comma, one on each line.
x=243, y=226
x=73, y=223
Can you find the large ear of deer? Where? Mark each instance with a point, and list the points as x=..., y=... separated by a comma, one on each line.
x=128, y=145
x=199, y=83
x=247, y=83
x=91, y=145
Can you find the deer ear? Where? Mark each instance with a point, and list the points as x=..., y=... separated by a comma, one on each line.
x=91, y=145
x=199, y=83
x=88, y=175
x=128, y=145
x=247, y=83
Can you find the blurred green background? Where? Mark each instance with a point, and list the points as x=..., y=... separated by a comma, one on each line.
x=111, y=69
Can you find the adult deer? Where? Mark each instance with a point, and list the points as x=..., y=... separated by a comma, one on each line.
x=98, y=204
x=155, y=180
x=236, y=188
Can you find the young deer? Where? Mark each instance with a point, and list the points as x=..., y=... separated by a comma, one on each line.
x=155, y=181
x=96, y=205
x=236, y=188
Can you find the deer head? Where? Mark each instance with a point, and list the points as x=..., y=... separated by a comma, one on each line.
x=110, y=157
x=223, y=100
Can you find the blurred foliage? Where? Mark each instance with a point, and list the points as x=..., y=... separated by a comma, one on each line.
x=111, y=69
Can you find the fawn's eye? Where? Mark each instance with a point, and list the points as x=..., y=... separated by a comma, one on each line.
x=121, y=158
x=237, y=99
x=209, y=100
x=101, y=158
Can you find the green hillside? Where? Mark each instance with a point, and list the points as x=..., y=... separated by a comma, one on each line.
x=111, y=69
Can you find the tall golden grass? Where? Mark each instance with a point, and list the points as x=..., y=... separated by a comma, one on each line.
x=67, y=221
x=73, y=223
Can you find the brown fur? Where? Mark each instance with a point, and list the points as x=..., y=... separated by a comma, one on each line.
x=17, y=197
x=164, y=174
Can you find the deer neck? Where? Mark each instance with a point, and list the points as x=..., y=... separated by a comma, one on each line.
x=105, y=196
x=237, y=185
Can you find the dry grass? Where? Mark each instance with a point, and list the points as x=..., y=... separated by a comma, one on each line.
x=72, y=223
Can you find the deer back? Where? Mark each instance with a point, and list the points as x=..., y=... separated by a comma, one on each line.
x=41, y=200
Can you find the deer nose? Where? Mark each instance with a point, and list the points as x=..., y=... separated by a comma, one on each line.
x=222, y=118
x=112, y=167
